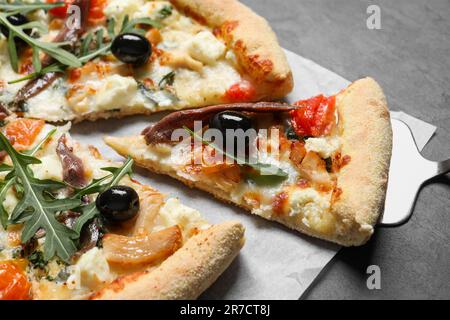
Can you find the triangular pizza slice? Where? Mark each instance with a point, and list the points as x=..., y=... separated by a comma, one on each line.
x=114, y=58
x=320, y=166
x=77, y=226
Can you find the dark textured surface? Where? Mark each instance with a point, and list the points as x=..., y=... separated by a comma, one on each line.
x=410, y=57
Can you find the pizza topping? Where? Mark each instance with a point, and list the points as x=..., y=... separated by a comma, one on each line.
x=241, y=91
x=23, y=132
x=118, y=203
x=313, y=167
x=206, y=48
x=60, y=12
x=232, y=120
x=14, y=284
x=73, y=169
x=315, y=117
x=142, y=249
x=162, y=131
x=41, y=80
x=16, y=20
x=132, y=48
x=325, y=147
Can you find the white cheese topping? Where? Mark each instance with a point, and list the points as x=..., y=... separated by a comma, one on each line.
x=118, y=9
x=94, y=269
x=325, y=147
x=174, y=213
x=206, y=48
x=307, y=202
x=115, y=92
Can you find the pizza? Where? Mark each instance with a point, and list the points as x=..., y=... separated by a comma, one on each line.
x=319, y=166
x=127, y=57
x=77, y=226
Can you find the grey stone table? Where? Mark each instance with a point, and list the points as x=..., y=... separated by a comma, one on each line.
x=410, y=57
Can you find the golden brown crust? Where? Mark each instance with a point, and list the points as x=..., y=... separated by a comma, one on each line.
x=187, y=273
x=366, y=137
x=252, y=40
x=366, y=134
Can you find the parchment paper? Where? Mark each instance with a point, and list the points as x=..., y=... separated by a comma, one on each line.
x=275, y=263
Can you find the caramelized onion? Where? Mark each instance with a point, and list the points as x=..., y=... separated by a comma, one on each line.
x=142, y=249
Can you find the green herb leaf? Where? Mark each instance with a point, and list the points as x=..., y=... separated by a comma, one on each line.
x=168, y=79
x=4, y=186
x=51, y=48
x=12, y=51
x=51, y=68
x=263, y=169
x=23, y=7
x=37, y=61
x=36, y=210
x=165, y=12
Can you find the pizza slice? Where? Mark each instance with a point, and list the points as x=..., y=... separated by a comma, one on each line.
x=76, y=226
x=113, y=58
x=319, y=166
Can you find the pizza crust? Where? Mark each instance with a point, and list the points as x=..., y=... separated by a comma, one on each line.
x=366, y=135
x=187, y=273
x=252, y=40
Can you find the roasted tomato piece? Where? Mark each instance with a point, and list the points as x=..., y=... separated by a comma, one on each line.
x=14, y=284
x=60, y=12
x=316, y=116
x=23, y=132
x=96, y=10
x=240, y=92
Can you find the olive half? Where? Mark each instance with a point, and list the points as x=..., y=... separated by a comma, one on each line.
x=118, y=204
x=232, y=120
x=131, y=48
x=16, y=20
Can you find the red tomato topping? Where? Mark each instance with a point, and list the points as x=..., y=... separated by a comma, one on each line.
x=240, y=92
x=14, y=285
x=315, y=117
x=23, y=132
x=60, y=12
x=95, y=9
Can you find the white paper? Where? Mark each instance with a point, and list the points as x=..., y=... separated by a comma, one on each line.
x=275, y=263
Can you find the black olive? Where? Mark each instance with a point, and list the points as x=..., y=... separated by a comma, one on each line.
x=16, y=20
x=131, y=48
x=118, y=204
x=233, y=120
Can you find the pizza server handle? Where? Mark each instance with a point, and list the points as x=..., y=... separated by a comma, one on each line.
x=443, y=167
x=408, y=173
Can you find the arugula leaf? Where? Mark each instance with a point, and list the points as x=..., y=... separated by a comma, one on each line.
x=90, y=211
x=51, y=48
x=11, y=181
x=264, y=169
x=35, y=209
x=23, y=7
x=4, y=186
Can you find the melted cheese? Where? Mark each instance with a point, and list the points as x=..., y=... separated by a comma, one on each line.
x=174, y=213
x=325, y=147
x=93, y=269
x=206, y=48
